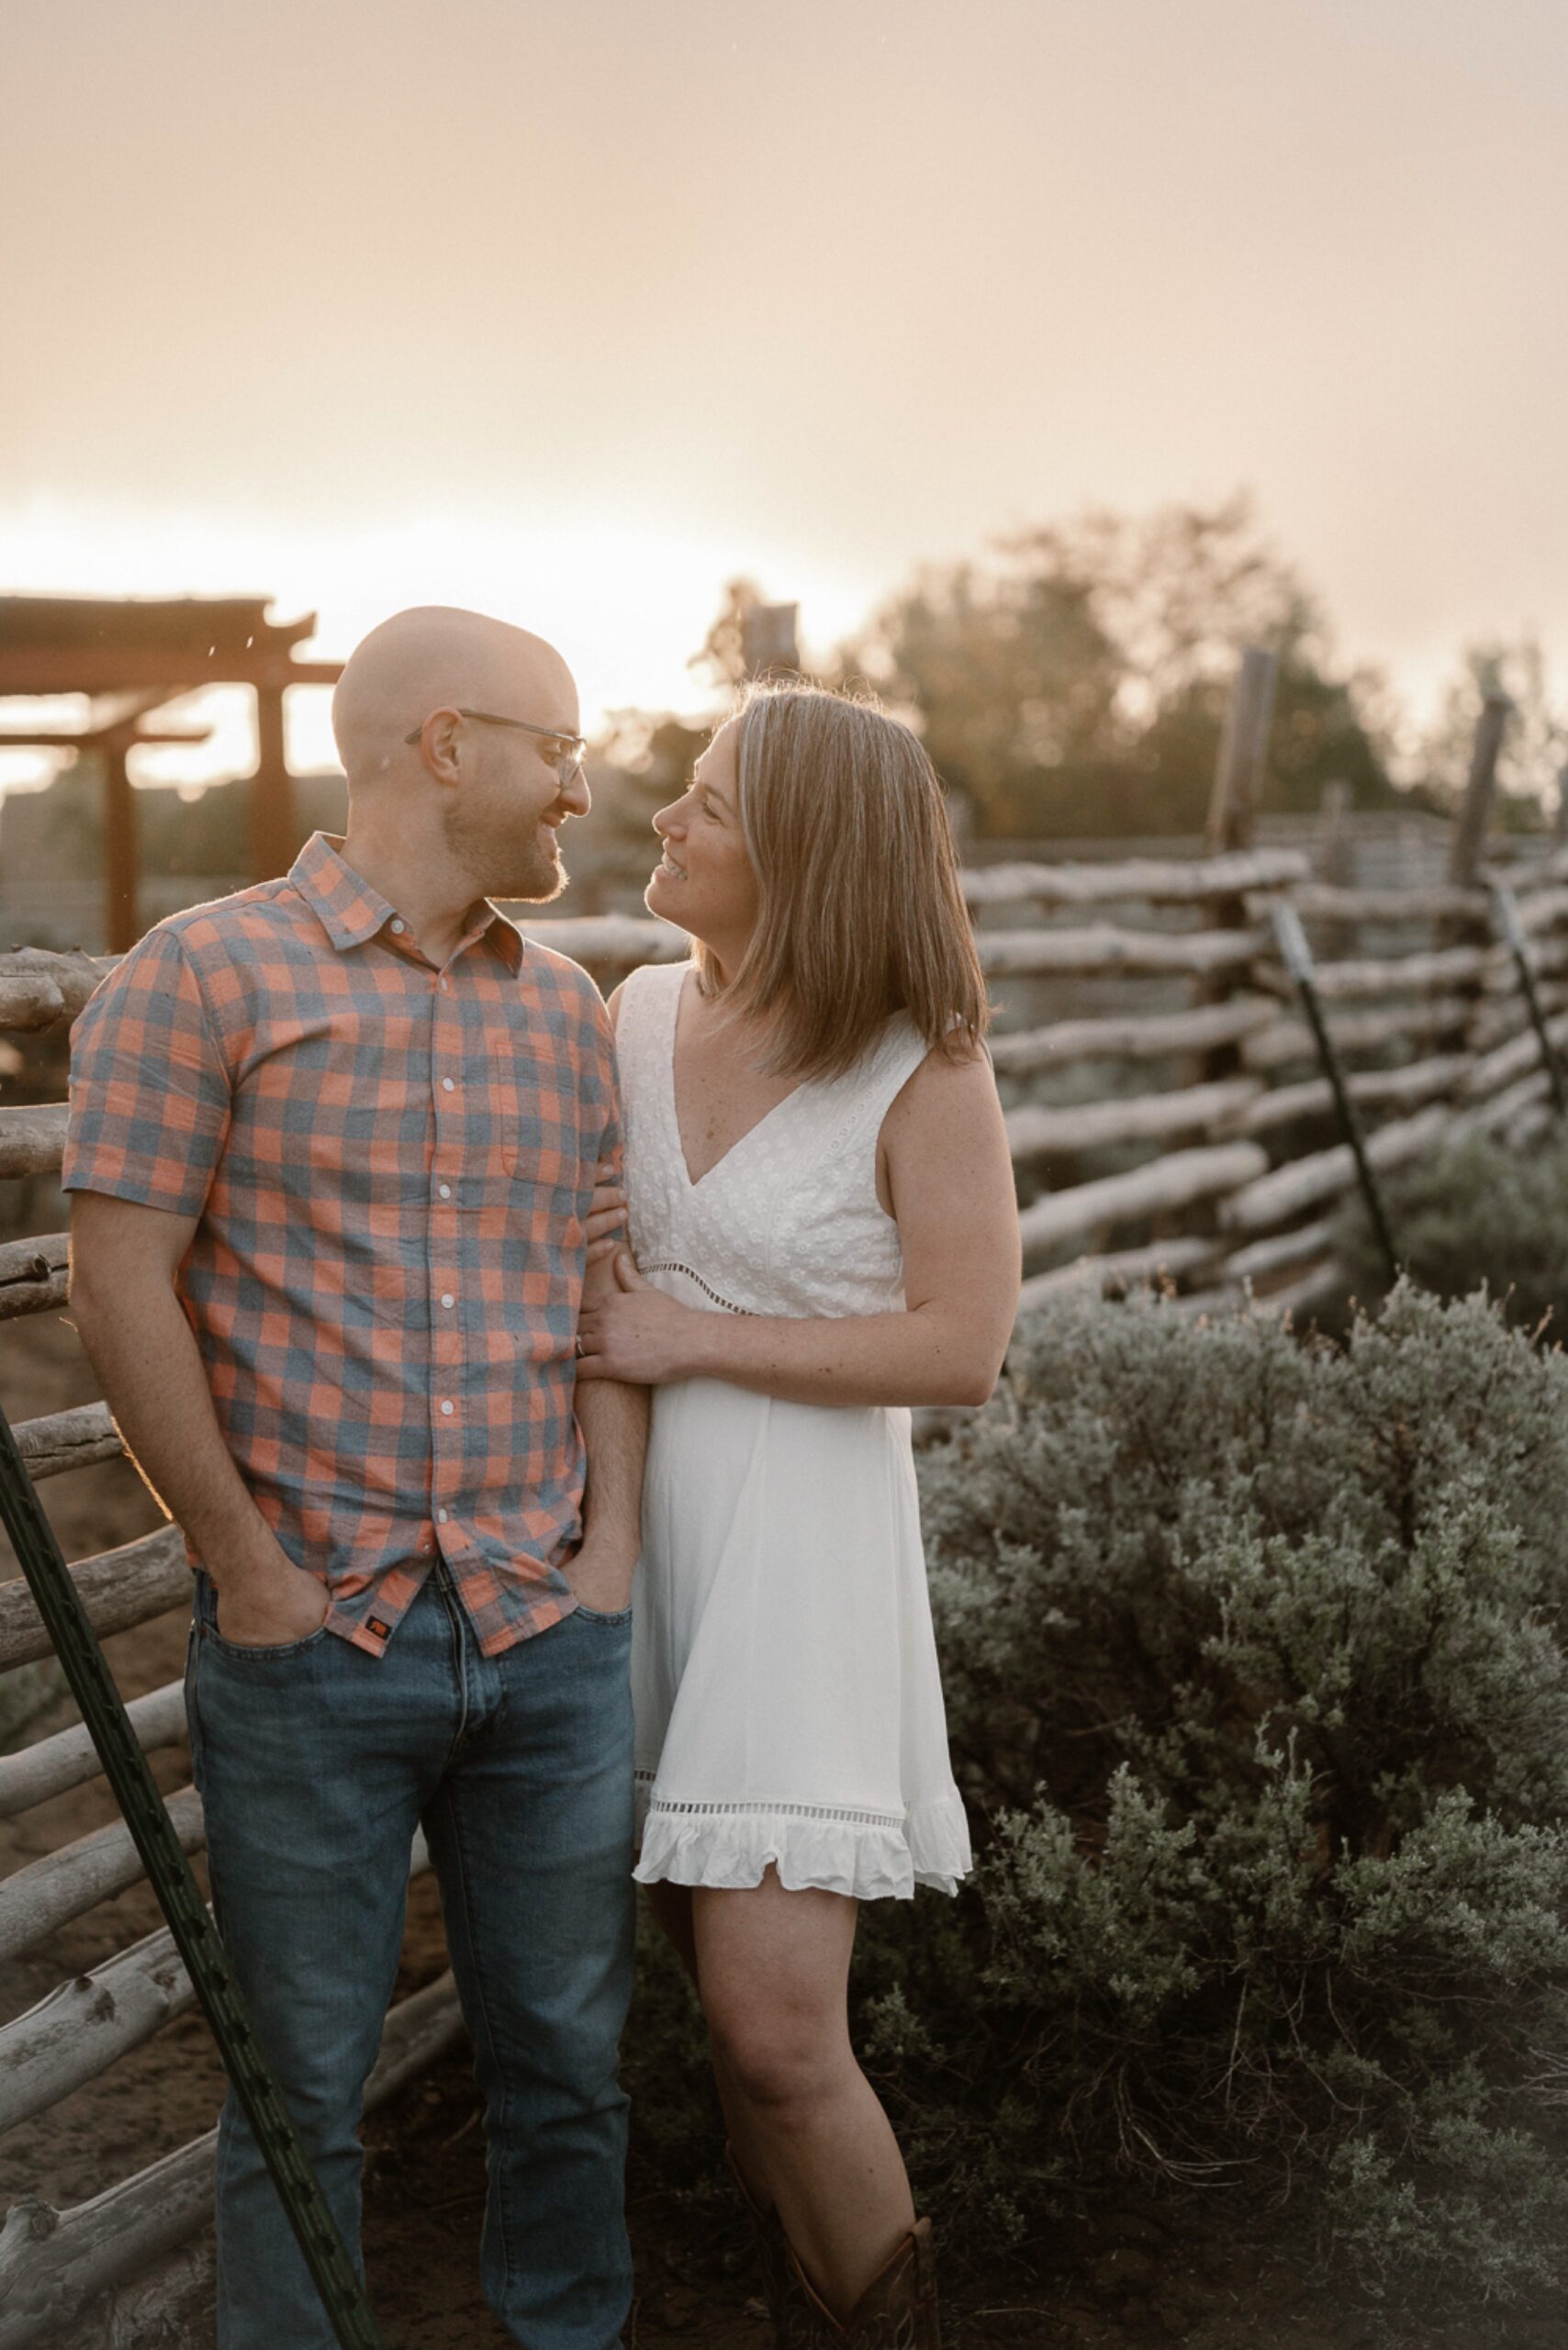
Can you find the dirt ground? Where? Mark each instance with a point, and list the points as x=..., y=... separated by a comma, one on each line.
x=1132, y=2273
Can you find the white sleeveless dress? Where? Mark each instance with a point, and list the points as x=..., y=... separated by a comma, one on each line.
x=788, y=1699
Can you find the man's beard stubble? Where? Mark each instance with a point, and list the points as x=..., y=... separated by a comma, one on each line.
x=523, y=868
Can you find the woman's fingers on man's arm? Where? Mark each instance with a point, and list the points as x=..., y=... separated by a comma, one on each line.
x=607, y=1212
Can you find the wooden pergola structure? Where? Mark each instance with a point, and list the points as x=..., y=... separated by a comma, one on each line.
x=132, y=658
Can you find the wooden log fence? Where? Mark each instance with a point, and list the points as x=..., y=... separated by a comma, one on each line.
x=74, y=2034
x=52, y=1765
x=52, y=2264
x=1037, y=1133
x=1149, y=1036
x=120, y=1588
x=1204, y=1158
x=47, y=1894
x=1174, y=881
x=32, y=1275
x=74, y=1439
x=1106, y=950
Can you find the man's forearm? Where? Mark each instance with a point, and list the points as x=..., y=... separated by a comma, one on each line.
x=141, y=1347
x=615, y=1421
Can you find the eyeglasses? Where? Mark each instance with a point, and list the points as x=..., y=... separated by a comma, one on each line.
x=574, y=747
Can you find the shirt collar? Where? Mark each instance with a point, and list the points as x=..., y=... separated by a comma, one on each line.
x=350, y=911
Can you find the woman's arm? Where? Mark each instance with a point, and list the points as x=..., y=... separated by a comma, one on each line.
x=950, y=1185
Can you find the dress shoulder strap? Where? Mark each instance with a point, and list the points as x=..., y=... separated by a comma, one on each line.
x=868, y=1092
x=645, y=1010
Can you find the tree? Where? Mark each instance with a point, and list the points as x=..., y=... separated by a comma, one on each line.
x=1076, y=683
x=1013, y=679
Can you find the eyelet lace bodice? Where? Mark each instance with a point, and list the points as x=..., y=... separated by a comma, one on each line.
x=788, y=1221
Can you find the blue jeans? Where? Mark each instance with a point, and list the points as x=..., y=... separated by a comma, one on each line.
x=316, y=1762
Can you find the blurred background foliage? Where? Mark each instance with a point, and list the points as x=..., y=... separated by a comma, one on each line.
x=1071, y=683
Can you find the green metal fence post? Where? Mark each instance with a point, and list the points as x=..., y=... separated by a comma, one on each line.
x=1296, y=956
x=1512, y=930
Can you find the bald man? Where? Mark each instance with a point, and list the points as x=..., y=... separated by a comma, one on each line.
x=332, y=1147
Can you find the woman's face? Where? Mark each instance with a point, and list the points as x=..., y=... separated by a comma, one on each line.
x=704, y=882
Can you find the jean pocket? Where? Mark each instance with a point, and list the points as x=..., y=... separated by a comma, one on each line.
x=193, y=1703
x=255, y=1653
x=268, y=1651
x=617, y=1617
x=205, y=1626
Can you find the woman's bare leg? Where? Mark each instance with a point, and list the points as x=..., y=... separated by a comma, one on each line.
x=773, y=1971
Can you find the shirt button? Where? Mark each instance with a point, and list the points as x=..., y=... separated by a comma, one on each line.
x=447, y=1410
x=445, y=1190
x=441, y=1514
x=446, y=987
x=447, y=1298
x=446, y=1085
x=398, y=926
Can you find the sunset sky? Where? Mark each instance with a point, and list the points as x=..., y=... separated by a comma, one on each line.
x=570, y=309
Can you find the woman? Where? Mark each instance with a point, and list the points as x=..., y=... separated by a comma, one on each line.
x=822, y=1206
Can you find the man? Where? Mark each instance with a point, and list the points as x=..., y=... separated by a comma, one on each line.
x=333, y=1146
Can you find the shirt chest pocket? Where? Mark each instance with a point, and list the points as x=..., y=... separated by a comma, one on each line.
x=542, y=1129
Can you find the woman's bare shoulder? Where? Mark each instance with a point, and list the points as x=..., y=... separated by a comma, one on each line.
x=945, y=1084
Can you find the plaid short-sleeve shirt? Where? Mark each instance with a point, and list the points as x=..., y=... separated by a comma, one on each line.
x=391, y=1166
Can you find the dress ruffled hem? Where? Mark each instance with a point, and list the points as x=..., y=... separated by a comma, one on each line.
x=870, y=1857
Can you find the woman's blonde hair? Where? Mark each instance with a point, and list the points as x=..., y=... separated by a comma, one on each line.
x=861, y=913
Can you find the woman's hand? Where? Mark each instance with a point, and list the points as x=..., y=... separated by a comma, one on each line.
x=636, y=1333
x=606, y=1225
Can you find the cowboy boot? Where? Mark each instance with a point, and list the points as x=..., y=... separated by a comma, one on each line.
x=790, y=2304
x=896, y=2311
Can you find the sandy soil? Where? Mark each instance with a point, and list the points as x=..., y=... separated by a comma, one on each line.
x=1137, y=2274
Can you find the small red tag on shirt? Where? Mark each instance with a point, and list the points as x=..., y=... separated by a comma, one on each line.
x=382, y=1631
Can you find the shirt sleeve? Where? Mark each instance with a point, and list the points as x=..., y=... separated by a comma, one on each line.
x=149, y=1091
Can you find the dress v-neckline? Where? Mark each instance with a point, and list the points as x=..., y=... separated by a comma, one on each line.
x=695, y=1182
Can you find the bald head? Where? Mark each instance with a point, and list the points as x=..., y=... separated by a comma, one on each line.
x=437, y=656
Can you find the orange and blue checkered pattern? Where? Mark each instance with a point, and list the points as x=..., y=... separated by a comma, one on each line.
x=390, y=1167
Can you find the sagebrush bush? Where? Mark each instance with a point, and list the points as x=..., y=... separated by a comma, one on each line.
x=1254, y=1653
x=1473, y=1213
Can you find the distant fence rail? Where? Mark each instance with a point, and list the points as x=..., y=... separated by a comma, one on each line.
x=1166, y=1118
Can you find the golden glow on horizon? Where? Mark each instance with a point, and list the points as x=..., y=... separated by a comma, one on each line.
x=627, y=609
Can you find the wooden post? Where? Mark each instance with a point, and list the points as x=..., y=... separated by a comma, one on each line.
x=1233, y=815
x=273, y=843
x=1334, y=857
x=1464, y=858
x=767, y=638
x=1243, y=748
x=121, y=926
x=1470, y=832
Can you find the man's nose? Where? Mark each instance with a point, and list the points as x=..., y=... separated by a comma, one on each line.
x=577, y=795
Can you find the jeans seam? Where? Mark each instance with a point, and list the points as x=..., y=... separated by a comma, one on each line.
x=460, y=1653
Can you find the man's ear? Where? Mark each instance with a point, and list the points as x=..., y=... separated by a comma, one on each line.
x=440, y=744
